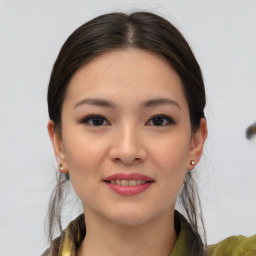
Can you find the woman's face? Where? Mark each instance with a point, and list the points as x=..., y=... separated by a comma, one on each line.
x=126, y=136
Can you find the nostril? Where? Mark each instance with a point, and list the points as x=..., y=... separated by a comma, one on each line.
x=126, y=160
x=127, y=156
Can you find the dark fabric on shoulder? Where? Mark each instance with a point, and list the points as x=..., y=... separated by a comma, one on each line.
x=73, y=234
x=77, y=230
x=53, y=250
x=193, y=242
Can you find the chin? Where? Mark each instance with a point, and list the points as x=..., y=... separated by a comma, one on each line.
x=131, y=220
x=134, y=217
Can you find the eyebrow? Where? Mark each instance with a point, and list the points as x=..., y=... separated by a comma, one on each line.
x=160, y=101
x=95, y=102
x=145, y=104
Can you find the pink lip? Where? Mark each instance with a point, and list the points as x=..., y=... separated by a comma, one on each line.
x=130, y=176
x=128, y=190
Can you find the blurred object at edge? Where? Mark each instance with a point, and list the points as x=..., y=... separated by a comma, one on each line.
x=251, y=132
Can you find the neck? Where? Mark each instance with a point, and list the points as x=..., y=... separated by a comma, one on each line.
x=156, y=237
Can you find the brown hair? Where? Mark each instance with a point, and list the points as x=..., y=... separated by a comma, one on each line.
x=142, y=30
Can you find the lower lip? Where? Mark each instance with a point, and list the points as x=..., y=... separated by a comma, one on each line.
x=129, y=190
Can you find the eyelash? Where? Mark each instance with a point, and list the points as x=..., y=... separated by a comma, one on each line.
x=168, y=119
x=87, y=119
x=90, y=118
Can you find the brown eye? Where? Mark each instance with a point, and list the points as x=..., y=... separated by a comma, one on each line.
x=95, y=120
x=161, y=120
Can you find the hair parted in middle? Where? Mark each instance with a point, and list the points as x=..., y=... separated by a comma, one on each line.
x=145, y=31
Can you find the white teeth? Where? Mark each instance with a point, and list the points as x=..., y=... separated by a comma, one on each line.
x=125, y=183
x=138, y=182
x=132, y=182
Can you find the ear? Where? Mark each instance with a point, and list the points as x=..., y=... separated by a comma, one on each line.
x=57, y=147
x=197, y=144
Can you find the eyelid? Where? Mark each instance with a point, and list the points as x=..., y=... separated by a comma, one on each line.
x=168, y=118
x=90, y=117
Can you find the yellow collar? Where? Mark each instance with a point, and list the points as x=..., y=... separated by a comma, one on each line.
x=73, y=235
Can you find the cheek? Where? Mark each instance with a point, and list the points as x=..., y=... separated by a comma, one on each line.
x=170, y=157
x=171, y=154
x=84, y=158
x=83, y=153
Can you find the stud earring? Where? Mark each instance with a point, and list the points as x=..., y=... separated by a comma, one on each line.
x=61, y=167
x=192, y=162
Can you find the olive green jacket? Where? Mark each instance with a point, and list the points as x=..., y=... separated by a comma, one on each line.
x=71, y=238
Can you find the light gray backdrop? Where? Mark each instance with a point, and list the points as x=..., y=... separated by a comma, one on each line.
x=222, y=34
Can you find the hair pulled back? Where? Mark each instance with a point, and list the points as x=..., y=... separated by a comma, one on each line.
x=141, y=30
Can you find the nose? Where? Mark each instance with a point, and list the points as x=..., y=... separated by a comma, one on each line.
x=127, y=146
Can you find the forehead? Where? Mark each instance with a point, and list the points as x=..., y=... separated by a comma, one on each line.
x=126, y=75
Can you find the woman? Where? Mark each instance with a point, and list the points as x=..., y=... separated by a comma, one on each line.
x=126, y=103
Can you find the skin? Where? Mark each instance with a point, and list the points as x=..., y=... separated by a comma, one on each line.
x=128, y=140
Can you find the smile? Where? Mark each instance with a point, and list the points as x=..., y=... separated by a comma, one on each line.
x=128, y=184
x=125, y=183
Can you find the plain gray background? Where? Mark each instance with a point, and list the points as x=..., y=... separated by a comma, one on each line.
x=222, y=34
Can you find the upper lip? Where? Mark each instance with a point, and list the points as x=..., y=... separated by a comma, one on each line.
x=130, y=176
